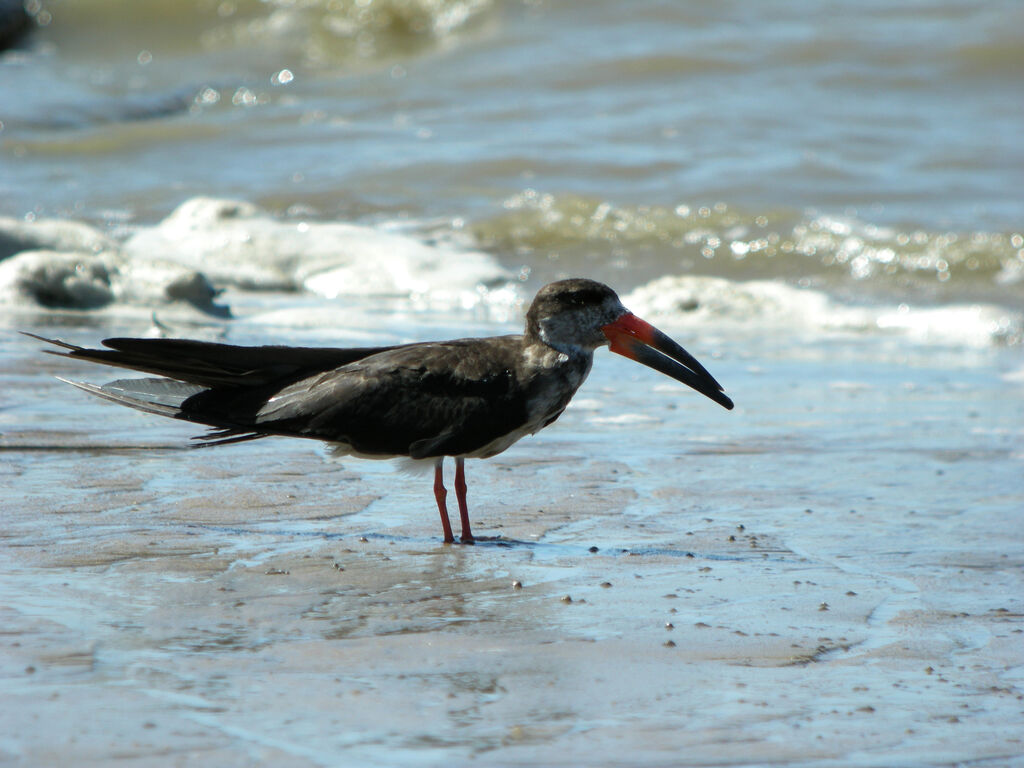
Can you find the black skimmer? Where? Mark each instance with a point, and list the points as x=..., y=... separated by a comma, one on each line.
x=467, y=398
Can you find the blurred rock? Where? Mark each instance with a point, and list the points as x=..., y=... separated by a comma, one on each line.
x=14, y=22
x=85, y=281
x=17, y=235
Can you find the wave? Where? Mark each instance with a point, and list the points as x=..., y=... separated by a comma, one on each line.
x=324, y=33
x=301, y=273
x=840, y=254
x=209, y=245
x=770, y=308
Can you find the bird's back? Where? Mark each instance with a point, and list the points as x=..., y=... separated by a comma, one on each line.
x=420, y=400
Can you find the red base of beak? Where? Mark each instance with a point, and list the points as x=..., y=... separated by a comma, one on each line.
x=639, y=340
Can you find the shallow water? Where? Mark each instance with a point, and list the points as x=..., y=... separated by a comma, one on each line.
x=837, y=564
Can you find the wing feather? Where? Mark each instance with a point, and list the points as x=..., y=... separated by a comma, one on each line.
x=213, y=365
x=440, y=399
x=418, y=400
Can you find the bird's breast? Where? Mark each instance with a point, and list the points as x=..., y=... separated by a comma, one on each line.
x=548, y=379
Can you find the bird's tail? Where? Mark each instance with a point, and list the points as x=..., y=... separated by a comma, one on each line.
x=165, y=397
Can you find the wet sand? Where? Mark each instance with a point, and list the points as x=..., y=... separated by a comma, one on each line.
x=833, y=574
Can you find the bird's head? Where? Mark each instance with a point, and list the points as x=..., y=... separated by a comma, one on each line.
x=581, y=315
x=569, y=314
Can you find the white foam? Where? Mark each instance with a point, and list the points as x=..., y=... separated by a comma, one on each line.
x=234, y=243
x=625, y=419
x=966, y=325
x=586, y=404
x=18, y=235
x=1016, y=375
x=764, y=304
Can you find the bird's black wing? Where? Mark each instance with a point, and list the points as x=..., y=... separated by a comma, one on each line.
x=216, y=365
x=420, y=400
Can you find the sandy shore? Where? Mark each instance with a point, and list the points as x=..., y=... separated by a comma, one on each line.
x=831, y=575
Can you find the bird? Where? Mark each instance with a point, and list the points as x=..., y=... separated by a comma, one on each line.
x=464, y=398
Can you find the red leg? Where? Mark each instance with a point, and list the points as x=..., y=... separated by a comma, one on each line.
x=460, y=495
x=441, y=494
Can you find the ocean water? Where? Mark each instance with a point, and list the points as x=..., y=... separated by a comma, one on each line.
x=870, y=150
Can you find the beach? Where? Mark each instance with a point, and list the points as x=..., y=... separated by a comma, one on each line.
x=829, y=575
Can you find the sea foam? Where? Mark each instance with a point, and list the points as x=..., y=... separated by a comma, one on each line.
x=716, y=303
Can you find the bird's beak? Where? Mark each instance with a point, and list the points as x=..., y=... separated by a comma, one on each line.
x=639, y=340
